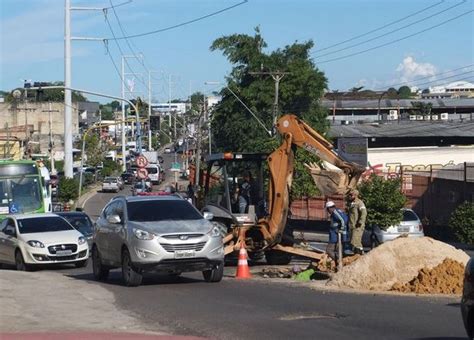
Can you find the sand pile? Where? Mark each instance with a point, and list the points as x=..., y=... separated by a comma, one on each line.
x=445, y=278
x=396, y=262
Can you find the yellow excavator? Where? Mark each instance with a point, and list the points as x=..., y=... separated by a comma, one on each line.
x=261, y=229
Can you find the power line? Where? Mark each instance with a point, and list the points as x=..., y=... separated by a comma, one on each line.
x=181, y=24
x=392, y=31
x=379, y=28
x=414, y=82
x=396, y=40
x=444, y=78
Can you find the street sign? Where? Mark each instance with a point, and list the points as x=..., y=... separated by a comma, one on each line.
x=142, y=173
x=141, y=161
x=175, y=167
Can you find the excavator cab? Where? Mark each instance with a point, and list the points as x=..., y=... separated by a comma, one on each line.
x=234, y=186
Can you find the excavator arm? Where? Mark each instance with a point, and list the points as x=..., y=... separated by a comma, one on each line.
x=281, y=164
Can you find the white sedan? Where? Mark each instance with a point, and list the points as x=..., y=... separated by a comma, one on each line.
x=34, y=239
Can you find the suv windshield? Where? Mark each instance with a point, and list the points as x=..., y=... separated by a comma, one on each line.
x=42, y=225
x=161, y=210
x=110, y=180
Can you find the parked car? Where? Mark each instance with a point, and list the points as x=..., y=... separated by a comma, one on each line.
x=467, y=301
x=54, y=180
x=128, y=177
x=410, y=225
x=140, y=187
x=111, y=184
x=27, y=240
x=81, y=222
x=163, y=234
x=167, y=150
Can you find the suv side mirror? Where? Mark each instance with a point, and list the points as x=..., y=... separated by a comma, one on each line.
x=114, y=219
x=10, y=232
x=208, y=216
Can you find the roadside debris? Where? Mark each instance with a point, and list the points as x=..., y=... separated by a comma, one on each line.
x=445, y=278
x=398, y=262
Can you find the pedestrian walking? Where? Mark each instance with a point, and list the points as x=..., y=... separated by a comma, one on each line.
x=339, y=224
x=357, y=217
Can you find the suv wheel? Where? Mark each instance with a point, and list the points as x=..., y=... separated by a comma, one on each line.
x=20, y=262
x=101, y=272
x=131, y=277
x=214, y=275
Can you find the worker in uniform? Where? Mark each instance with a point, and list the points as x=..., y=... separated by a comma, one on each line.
x=339, y=224
x=357, y=217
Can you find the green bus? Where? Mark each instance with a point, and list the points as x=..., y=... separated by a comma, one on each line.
x=21, y=188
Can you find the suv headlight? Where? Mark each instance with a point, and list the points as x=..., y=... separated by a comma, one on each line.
x=81, y=240
x=215, y=232
x=142, y=234
x=35, y=244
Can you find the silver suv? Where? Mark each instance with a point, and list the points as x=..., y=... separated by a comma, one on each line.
x=163, y=234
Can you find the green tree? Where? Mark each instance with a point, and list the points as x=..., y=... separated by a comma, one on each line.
x=384, y=201
x=462, y=222
x=421, y=108
x=235, y=129
x=404, y=92
x=68, y=189
x=95, y=149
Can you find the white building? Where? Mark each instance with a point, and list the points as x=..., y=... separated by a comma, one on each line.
x=456, y=89
x=166, y=108
x=212, y=100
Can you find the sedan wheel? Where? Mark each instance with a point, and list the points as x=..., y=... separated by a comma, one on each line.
x=20, y=262
x=100, y=271
x=131, y=277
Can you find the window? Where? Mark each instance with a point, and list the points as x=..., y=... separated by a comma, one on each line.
x=8, y=227
x=161, y=210
x=108, y=210
x=409, y=215
x=43, y=225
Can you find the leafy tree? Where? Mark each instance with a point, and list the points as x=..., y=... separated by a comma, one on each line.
x=421, y=108
x=384, y=201
x=404, y=92
x=95, y=150
x=235, y=129
x=68, y=189
x=462, y=222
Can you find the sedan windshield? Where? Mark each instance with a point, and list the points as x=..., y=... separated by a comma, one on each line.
x=409, y=215
x=80, y=223
x=161, y=210
x=42, y=225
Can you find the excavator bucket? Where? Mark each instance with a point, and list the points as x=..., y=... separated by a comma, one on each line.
x=331, y=182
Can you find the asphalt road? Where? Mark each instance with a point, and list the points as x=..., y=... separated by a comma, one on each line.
x=270, y=309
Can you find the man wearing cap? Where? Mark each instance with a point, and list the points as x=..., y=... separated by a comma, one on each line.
x=357, y=217
x=338, y=225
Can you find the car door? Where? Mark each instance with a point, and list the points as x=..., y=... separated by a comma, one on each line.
x=117, y=238
x=3, y=224
x=102, y=233
x=9, y=241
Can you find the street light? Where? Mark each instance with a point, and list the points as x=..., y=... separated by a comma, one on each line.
x=241, y=102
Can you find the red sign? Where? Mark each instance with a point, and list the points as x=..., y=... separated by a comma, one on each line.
x=141, y=161
x=142, y=173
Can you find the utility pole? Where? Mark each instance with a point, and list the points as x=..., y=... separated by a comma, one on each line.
x=149, y=110
x=277, y=77
x=50, y=145
x=124, y=148
x=67, y=93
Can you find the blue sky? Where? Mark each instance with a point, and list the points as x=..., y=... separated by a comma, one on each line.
x=31, y=41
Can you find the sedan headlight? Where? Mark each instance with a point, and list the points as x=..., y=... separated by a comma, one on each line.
x=142, y=234
x=35, y=244
x=215, y=232
x=81, y=240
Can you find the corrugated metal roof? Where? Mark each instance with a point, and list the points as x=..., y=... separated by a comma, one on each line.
x=393, y=103
x=405, y=129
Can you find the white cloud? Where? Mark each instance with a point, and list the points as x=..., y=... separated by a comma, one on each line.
x=409, y=69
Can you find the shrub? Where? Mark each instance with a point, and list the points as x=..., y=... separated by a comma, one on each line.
x=384, y=201
x=462, y=222
x=68, y=189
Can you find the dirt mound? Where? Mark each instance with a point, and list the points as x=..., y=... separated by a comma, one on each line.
x=445, y=278
x=396, y=262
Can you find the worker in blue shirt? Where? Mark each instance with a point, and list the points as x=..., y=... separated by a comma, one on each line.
x=339, y=224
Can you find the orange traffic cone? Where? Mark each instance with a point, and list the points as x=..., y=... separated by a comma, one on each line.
x=243, y=271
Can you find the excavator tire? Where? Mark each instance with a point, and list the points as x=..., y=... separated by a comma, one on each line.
x=277, y=257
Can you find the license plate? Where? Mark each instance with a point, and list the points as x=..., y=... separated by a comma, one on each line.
x=63, y=252
x=403, y=229
x=183, y=254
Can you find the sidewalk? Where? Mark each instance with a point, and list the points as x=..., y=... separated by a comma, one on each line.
x=51, y=302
